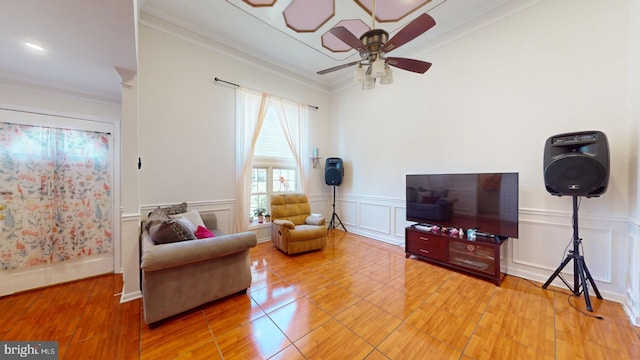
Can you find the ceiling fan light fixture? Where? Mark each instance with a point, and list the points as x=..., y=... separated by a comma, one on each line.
x=358, y=75
x=368, y=83
x=388, y=76
x=377, y=68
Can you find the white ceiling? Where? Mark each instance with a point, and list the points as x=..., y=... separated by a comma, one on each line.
x=85, y=40
x=262, y=32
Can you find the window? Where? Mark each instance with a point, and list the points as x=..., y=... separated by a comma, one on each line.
x=274, y=168
x=271, y=143
x=280, y=180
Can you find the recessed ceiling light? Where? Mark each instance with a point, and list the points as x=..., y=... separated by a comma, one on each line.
x=34, y=46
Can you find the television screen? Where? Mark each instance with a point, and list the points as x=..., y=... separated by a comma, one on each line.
x=487, y=202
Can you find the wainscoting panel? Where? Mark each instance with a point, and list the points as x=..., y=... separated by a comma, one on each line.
x=546, y=236
x=374, y=217
x=225, y=218
x=348, y=212
x=378, y=218
x=632, y=301
x=546, y=245
x=399, y=221
x=319, y=205
x=130, y=257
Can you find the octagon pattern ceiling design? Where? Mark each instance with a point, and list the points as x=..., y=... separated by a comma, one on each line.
x=298, y=17
x=309, y=21
x=260, y=2
x=390, y=10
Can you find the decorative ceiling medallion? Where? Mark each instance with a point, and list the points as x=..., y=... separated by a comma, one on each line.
x=259, y=3
x=308, y=15
x=391, y=10
x=331, y=42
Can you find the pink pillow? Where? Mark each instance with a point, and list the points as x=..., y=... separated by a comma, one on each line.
x=203, y=233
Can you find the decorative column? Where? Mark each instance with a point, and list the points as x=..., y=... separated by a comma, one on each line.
x=129, y=179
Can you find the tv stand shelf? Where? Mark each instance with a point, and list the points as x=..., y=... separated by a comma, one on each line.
x=481, y=257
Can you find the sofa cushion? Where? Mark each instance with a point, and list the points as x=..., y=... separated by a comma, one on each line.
x=204, y=233
x=292, y=207
x=430, y=199
x=170, y=231
x=306, y=232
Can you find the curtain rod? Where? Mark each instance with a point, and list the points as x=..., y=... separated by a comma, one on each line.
x=217, y=79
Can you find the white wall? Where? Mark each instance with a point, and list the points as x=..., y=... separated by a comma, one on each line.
x=187, y=122
x=488, y=103
x=27, y=96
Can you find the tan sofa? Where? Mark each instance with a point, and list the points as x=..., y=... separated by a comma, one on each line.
x=295, y=229
x=182, y=275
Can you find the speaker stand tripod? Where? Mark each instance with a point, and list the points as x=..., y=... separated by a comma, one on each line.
x=333, y=224
x=580, y=271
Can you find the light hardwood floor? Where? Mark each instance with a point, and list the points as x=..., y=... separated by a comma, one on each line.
x=356, y=299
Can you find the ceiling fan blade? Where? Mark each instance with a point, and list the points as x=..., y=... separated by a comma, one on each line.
x=339, y=67
x=416, y=66
x=411, y=31
x=348, y=38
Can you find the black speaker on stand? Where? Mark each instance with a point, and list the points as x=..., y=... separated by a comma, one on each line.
x=576, y=164
x=333, y=174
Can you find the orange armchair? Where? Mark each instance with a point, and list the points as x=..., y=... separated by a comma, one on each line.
x=294, y=228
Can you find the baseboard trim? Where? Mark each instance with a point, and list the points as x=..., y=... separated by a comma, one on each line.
x=130, y=296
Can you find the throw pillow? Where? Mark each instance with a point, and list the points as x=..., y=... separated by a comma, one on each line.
x=315, y=219
x=176, y=209
x=170, y=231
x=155, y=217
x=187, y=224
x=192, y=216
x=204, y=233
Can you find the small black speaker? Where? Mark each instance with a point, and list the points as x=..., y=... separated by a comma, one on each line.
x=577, y=164
x=333, y=171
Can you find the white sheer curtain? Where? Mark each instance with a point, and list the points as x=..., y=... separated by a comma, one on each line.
x=293, y=119
x=251, y=108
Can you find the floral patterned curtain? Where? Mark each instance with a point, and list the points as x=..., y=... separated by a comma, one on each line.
x=55, y=189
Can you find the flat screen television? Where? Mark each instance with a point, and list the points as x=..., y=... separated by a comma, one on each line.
x=487, y=202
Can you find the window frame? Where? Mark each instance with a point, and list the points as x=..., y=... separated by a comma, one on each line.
x=271, y=163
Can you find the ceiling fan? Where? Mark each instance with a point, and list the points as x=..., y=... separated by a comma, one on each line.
x=375, y=43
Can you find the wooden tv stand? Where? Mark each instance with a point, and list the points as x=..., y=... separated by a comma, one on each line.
x=480, y=257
